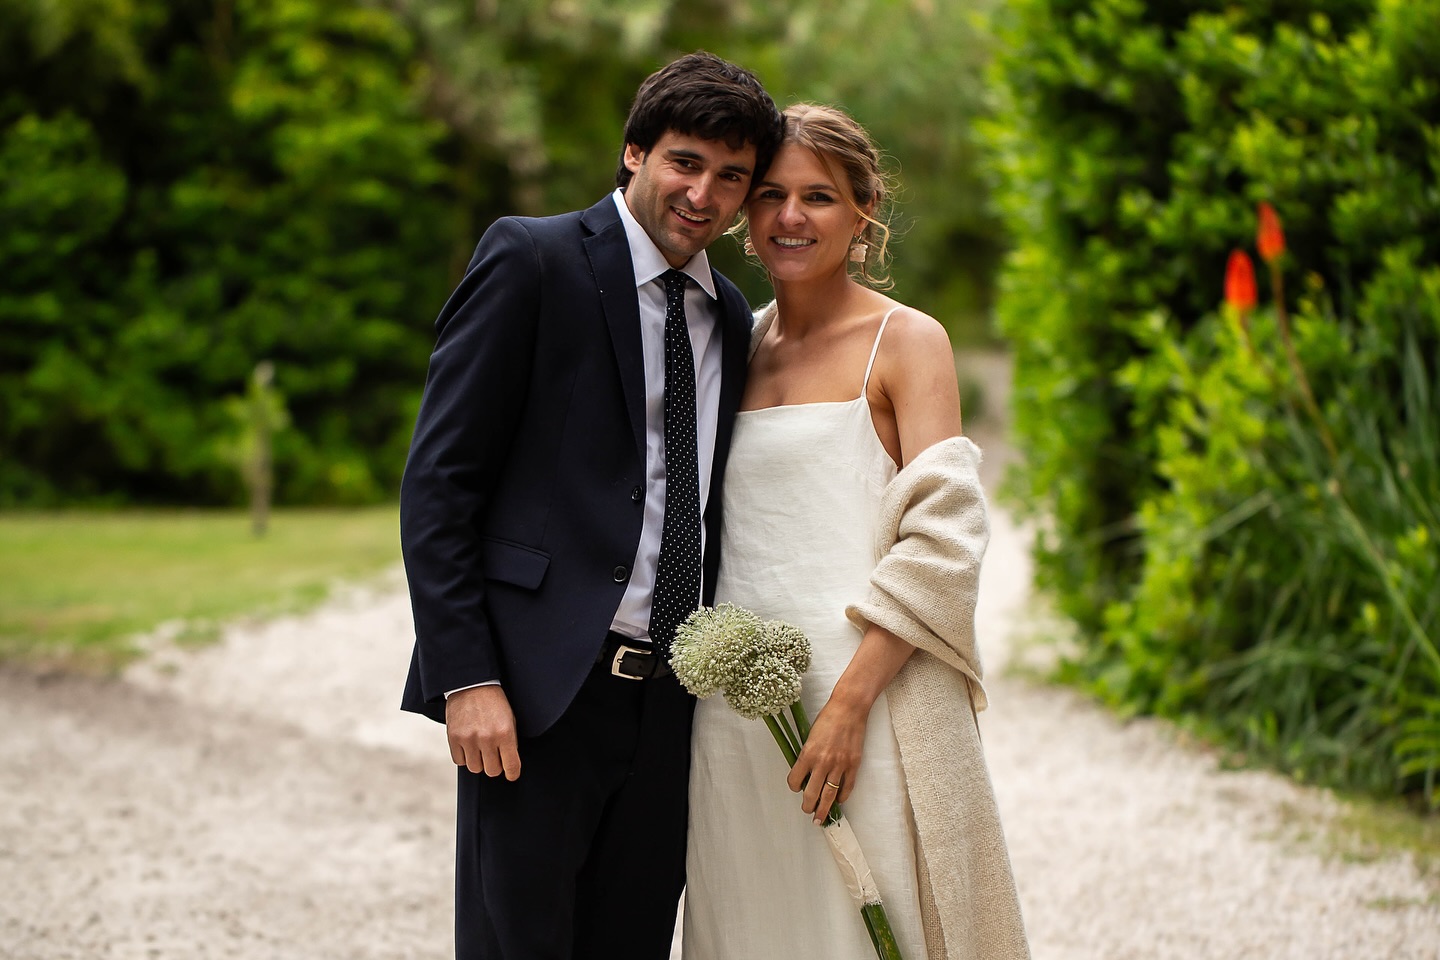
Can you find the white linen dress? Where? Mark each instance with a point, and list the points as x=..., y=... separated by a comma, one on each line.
x=802, y=497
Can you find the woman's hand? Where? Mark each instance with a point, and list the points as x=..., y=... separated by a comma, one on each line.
x=830, y=760
x=829, y=763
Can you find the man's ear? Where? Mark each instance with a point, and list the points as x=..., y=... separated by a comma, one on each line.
x=634, y=158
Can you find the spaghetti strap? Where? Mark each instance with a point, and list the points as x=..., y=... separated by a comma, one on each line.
x=865, y=384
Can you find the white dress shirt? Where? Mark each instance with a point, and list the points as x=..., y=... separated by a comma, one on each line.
x=703, y=314
x=702, y=311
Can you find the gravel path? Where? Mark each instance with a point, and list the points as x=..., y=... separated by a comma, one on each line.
x=237, y=802
x=1127, y=844
x=264, y=799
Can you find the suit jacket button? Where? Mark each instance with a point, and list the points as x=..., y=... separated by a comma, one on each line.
x=621, y=574
x=637, y=494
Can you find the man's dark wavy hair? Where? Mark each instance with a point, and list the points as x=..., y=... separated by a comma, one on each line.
x=703, y=96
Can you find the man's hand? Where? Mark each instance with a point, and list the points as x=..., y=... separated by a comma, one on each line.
x=481, y=728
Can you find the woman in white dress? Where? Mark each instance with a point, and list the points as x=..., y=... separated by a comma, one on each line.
x=846, y=388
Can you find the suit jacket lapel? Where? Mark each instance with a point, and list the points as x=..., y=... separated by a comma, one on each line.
x=735, y=360
x=735, y=320
x=614, y=272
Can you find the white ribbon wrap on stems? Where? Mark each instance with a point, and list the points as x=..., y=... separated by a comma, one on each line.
x=851, y=859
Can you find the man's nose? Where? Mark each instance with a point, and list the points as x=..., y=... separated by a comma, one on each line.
x=702, y=189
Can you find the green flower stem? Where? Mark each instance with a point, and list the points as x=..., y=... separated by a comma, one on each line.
x=802, y=722
x=795, y=741
x=791, y=754
x=1282, y=316
x=881, y=935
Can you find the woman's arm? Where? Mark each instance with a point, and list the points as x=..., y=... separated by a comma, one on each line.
x=915, y=372
x=831, y=756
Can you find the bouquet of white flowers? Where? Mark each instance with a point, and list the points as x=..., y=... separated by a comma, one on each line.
x=757, y=665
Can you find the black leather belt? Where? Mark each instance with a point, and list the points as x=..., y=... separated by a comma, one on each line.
x=632, y=659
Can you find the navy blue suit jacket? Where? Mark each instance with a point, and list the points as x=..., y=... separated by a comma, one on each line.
x=521, y=505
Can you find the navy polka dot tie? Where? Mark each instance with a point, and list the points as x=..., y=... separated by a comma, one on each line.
x=677, y=574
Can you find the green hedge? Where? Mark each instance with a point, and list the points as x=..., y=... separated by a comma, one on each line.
x=188, y=188
x=1220, y=561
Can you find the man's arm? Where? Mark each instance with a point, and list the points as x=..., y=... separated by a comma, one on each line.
x=478, y=376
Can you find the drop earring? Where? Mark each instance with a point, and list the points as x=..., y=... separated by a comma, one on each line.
x=749, y=247
x=859, y=249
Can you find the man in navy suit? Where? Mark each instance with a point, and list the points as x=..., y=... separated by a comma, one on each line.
x=560, y=511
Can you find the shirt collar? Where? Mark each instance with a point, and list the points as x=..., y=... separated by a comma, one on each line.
x=649, y=262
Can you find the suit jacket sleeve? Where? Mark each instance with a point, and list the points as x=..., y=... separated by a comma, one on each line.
x=476, y=385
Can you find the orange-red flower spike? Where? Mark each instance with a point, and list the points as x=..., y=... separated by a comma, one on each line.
x=1240, y=281
x=1269, y=238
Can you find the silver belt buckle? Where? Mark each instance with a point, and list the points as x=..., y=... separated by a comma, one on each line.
x=620, y=655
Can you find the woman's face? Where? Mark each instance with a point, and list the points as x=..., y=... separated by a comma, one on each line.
x=800, y=223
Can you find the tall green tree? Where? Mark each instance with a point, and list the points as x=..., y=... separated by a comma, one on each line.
x=919, y=89
x=537, y=94
x=191, y=188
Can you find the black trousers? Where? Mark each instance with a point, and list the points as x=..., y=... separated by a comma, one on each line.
x=583, y=856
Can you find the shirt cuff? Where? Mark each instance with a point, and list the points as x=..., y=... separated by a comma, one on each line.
x=487, y=683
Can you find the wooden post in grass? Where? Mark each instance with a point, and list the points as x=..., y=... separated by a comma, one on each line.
x=260, y=414
x=262, y=466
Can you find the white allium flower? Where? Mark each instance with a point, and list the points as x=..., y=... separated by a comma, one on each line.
x=709, y=644
x=768, y=684
x=756, y=663
x=788, y=642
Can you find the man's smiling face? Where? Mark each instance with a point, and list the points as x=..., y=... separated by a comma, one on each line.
x=686, y=191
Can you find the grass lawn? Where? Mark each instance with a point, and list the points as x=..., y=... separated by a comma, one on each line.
x=75, y=586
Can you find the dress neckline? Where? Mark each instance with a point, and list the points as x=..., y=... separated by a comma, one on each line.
x=864, y=384
x=807, y=403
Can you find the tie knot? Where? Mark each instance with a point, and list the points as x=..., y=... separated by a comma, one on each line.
x=674, y=281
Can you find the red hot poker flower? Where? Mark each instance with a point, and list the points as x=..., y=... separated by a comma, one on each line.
x=1240, y=282
x=1270, y=239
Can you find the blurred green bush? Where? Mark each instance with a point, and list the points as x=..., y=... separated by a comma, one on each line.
x=189, y=188
x=1221, y=562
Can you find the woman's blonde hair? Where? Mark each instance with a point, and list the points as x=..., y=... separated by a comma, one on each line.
x=840, y=142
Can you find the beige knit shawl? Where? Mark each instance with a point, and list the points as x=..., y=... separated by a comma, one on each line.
x=932, y=534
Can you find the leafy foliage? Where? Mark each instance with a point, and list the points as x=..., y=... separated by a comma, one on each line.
x=190, y=188
x=919, y=92
x=1287, y=589
x=235, y=183
x=1219, y=557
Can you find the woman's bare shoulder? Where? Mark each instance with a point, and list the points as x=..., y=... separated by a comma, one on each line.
x=913, y=336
